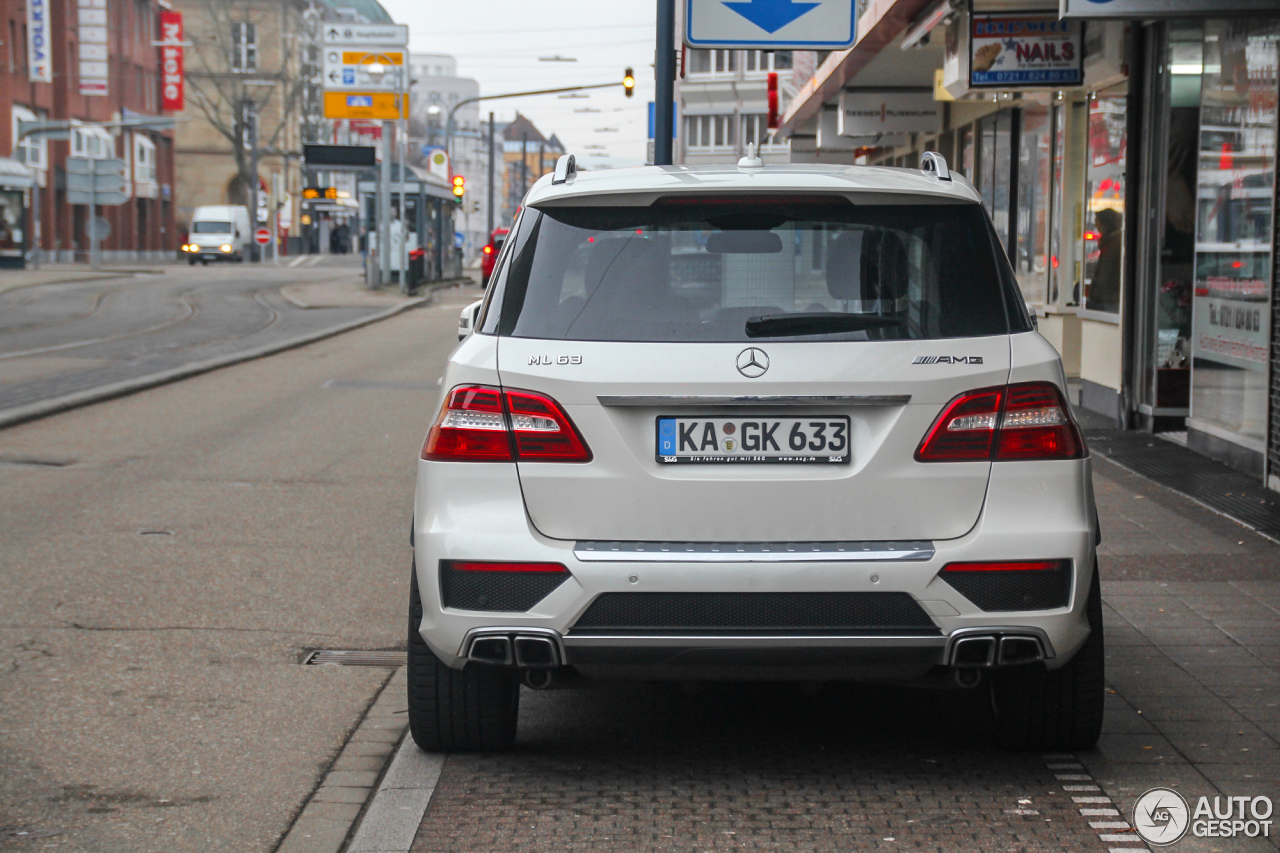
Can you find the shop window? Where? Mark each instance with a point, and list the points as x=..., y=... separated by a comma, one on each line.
x=1104, y=200
x=995, y=144
x=1035, y=174
x=967, y=154
x=11, y=221
x=1235, y=197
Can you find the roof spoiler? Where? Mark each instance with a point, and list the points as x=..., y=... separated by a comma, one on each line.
x=932, y=161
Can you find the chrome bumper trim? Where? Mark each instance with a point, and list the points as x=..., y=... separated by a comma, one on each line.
x=588, y=551
x=669, y=400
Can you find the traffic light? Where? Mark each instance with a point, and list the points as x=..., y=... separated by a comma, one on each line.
x=629, y=82
x=459, y=187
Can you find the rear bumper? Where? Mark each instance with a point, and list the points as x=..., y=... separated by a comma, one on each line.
x=1021, y=519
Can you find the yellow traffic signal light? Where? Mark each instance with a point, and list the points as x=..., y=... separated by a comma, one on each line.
x=629, y=82
x=459, y=187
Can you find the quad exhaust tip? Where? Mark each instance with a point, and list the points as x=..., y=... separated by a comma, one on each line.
x=988, y=650
x=528, y=651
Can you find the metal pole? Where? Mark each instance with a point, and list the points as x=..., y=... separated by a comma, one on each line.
x=93, y=214
x=402, y=138
x=255, y=190
x=490, y=231
x=524, y=165
x=542, y=159
x=384, y=207
x=665, y=73
x=35, y=215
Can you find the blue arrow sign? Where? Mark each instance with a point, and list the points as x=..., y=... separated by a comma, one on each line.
x=771, y=15
x=771, y=24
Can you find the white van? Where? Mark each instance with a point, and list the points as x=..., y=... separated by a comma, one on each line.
x=218, y=233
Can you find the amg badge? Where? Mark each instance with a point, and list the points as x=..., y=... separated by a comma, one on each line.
x=947, y=359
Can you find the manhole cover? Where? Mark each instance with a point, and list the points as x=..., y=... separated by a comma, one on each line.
x=353, y=657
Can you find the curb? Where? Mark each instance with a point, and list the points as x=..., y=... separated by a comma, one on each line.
x=394, y=813
x=45, y=408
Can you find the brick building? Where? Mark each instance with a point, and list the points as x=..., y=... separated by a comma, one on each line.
x=92, y=67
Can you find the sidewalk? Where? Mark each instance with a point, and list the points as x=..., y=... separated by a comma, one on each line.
x=62, y=273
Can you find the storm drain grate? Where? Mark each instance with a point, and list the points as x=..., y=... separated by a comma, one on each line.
x=353, y=657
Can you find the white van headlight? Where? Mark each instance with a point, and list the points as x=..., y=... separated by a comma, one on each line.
x=226, y=248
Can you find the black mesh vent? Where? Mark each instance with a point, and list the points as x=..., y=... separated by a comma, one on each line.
x=1044, y=589
x=514, y=592
x=754, y=612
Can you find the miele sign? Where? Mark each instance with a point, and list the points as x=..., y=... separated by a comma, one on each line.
x=1160, y=8
x=882, y=113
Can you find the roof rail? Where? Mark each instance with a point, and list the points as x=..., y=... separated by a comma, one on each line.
x=932, y=161
x=566, y=168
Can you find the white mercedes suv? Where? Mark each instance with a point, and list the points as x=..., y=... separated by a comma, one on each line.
x=754, y=422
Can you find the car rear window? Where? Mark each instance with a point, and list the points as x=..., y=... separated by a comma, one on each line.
x=733, y=270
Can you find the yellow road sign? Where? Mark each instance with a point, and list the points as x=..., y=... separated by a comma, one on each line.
x=367, y=105
x=365, y=57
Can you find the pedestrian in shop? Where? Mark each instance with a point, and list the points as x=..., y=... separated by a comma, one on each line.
x=1104, y=290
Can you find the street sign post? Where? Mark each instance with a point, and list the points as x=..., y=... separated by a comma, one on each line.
x=365, y=105
x=389, y=35
x=347, y=69
x=771, y=24
x=93, y=182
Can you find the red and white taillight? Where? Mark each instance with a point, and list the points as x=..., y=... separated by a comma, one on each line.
x=481, y=423
x=1026, y=421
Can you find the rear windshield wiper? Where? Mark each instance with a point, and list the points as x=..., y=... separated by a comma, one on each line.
x=782, y=325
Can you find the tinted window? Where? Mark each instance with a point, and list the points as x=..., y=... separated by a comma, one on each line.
x=699, y=271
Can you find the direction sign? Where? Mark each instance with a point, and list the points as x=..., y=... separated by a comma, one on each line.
x=346, y=68
x=369, y=105
x=262, y=236
x=96, y=181
x=366, y=34
x=771, y=24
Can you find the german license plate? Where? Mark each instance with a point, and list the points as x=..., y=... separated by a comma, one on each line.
x=753, y=439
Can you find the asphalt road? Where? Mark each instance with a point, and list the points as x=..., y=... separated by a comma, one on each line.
x=59, y=339
x=165, y=561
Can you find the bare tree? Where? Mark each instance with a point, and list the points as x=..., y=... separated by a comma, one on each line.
x=227, y=87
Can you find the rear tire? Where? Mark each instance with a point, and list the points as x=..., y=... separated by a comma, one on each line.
x=468, y=710
x=1061, y=709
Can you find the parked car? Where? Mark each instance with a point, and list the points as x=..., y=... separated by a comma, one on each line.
x=490, y=252
x=218, y=233
x=836, y=450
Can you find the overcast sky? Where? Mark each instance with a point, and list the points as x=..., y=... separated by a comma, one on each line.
x=498, y=42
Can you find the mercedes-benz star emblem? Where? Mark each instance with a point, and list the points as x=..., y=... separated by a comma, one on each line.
x=752, y=362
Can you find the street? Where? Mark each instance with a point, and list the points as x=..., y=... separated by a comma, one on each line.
x=169, y=558
x=75, y=338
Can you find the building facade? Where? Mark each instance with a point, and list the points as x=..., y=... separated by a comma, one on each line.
x=56, y=64
x=527, y=155
x=1133, y=186
x=437, y=90
x=722, y=101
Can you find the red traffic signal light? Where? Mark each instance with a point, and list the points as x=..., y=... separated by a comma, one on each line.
x=629, y=82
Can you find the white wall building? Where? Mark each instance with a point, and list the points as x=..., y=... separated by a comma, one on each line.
x=437, y=89
x=722, y=102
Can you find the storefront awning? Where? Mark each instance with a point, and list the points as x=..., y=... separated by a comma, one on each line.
x=14, y=175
